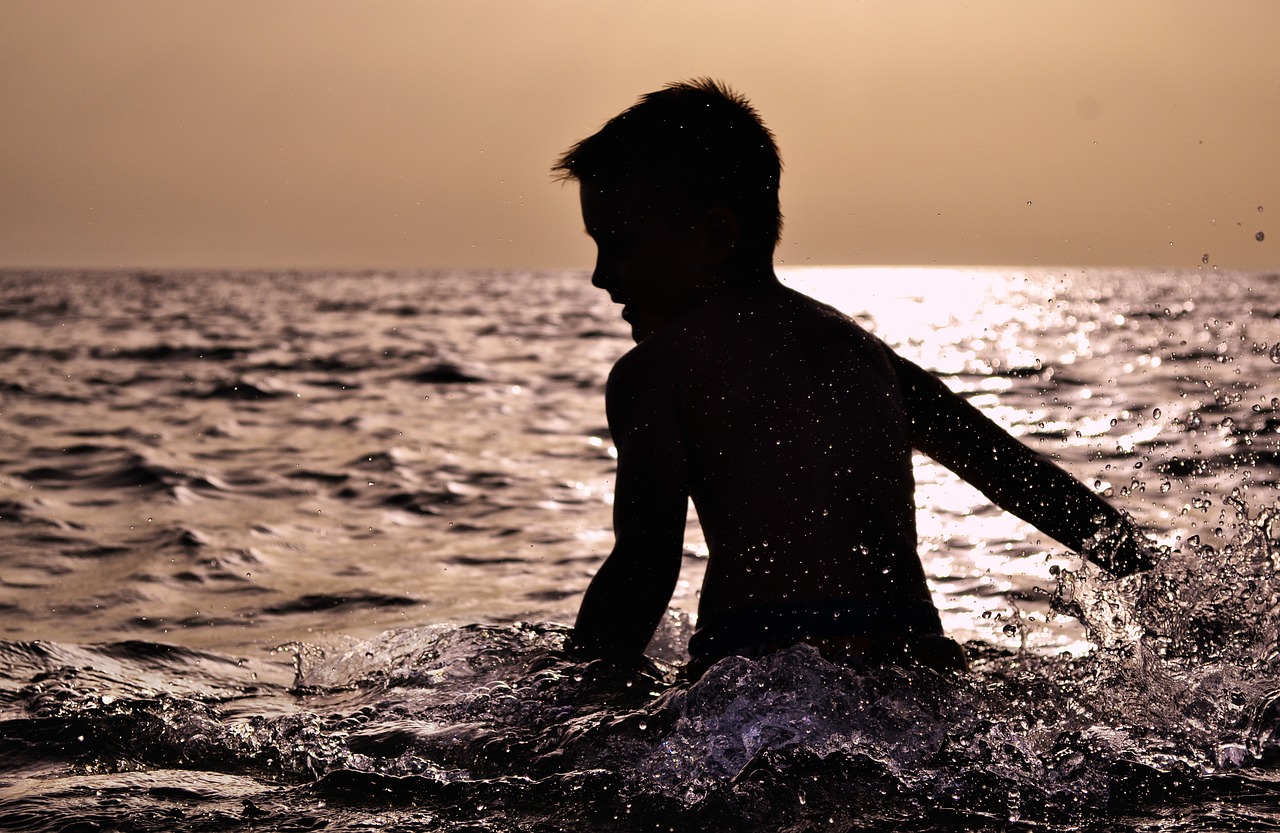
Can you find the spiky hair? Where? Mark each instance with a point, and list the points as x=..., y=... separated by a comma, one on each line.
x=698, y=139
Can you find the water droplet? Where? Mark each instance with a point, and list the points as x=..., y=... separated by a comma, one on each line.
x=1155, y=414
x=1232, y=755
x=1204, y=258
x=1259, y=237
x=1275, y=353
x=1010, y=630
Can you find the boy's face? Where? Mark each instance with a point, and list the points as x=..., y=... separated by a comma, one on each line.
x=652, y=265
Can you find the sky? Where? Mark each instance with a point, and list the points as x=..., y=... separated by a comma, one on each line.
x=420, y=133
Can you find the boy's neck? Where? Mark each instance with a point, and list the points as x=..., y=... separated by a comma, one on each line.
x=741, y=278
x=727, y=282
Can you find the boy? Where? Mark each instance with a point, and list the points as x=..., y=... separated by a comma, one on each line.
x=789, y=425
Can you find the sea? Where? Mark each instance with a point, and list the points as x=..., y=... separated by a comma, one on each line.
x=299, y=551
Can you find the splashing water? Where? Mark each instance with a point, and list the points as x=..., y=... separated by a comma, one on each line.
x=232, y=462
x=1179, y=705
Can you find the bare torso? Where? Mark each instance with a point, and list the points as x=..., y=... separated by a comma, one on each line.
x=798, y=452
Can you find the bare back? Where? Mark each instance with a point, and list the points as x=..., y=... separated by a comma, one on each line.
x=798, y=452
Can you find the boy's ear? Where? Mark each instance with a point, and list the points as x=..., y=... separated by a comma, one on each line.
x=721, y=234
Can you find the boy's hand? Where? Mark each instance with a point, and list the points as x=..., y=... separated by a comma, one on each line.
x=600, y=665
x=1122, y=550
x=584, y=649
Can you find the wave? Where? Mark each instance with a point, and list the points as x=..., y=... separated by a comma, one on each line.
x=502, y=725
x=115, y=469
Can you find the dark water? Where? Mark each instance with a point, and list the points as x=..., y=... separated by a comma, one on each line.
x=287, y=551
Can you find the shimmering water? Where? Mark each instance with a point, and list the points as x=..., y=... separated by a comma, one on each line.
x=287, y=551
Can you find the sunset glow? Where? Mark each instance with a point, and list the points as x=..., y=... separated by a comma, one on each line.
x=419, y=134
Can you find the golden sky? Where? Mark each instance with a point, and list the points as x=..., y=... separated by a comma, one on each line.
x=418, y=133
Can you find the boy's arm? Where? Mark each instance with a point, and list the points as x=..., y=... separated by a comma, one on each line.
x=1016, y=478
x=629, y=594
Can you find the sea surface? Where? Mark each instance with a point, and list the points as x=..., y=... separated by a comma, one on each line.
x=297, y=551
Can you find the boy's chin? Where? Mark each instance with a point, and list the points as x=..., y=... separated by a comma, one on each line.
x=638, y=328
x=643, y=326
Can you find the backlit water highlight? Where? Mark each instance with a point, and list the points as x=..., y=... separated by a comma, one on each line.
x=296, y=550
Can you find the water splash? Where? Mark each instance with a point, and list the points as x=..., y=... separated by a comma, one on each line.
x=450, y=726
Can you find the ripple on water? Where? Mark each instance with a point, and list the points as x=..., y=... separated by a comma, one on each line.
x=191, y=430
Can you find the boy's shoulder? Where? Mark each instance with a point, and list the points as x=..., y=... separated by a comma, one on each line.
x=781, y=320
x=734, y=336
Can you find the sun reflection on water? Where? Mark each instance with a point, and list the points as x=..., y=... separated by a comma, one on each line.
x=901, y=299
x=981, y=331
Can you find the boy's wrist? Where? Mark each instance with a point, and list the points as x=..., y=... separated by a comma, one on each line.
x=583, y=646
x=1122, y=549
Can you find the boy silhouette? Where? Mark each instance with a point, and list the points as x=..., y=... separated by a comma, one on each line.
x=789, y=425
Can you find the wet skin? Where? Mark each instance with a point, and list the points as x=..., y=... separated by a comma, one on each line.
x=791, y=428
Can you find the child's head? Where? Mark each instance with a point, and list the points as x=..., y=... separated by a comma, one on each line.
x=699, y=145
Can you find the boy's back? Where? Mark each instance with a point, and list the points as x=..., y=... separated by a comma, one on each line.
x=798, y=451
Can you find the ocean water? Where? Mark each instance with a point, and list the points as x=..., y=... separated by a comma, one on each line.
x=296, y=551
